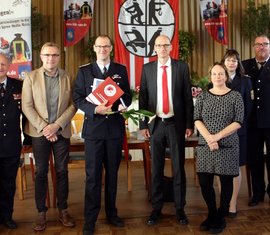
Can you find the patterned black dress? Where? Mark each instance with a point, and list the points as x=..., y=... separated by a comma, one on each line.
x=217, y=112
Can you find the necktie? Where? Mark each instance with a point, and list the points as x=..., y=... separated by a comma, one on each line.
x=2, y=90
x=105, y=72
x=165, y=91
x=261, y=65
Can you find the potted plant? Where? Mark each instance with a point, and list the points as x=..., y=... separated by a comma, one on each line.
x=187, y=42
x=256, y=20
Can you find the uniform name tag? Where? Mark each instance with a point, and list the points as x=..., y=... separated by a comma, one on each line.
x=17, y=96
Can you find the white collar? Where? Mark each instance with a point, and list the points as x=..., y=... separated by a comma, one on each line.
x=168, y=63
x=5, y=82
x=102, y=66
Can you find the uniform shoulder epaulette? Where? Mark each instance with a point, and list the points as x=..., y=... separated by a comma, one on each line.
x=246, y=75
x=18, y=79
x=84, y=65
x=120, y=64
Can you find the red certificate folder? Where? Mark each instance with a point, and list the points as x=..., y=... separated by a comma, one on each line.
x=107, y=90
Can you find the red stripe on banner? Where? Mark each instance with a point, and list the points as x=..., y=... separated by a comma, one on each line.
x=137, y=24
x=139, y=62
x=75, y=30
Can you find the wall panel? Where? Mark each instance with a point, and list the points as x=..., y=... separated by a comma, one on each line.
x=206, y=50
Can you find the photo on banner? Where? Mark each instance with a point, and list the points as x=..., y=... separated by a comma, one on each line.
x=16, y=43
x=77, y=20
x=215, y=20
x=137, y=25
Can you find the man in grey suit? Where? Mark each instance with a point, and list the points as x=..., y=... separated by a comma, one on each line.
x=165, y=90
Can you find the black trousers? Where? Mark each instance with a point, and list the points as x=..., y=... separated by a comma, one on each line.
x=42, y=147
x=206, y=181
x=8, y=172
x=108, y=152
x=255, y=145
x=166, y=132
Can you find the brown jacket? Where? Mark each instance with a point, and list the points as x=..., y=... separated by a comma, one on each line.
x=34, y=103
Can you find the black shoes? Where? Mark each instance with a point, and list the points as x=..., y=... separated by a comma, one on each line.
x=156, y=214
x=219, y=223
x=9, y=222
x=255, y=201
x=217, y=228
x=232, y=214
x=88, y=228
x=212, y=214
x=153, y=219
x=181, y=217
x=115, y=221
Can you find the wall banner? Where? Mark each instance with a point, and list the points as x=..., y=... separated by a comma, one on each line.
x=77, y=19
x=16, y=43
x=214, y=16
x=137, y=24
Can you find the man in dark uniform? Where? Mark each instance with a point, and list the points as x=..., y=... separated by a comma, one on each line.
x=258, y=126
x=10, y=141
x=103, y=134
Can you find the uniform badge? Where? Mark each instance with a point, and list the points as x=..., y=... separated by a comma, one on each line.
x=252, y=94
x=17, y=96
x=116, y=76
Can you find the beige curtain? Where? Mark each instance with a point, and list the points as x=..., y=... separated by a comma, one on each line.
x=206, y=52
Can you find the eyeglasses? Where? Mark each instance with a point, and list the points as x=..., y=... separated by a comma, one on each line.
x=159, y=46
x=52, y=55
x=232, y=61
x=264, y=44
x=103, y=47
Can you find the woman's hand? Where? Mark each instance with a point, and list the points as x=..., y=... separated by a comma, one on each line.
x=212, y=139
x=213, y=146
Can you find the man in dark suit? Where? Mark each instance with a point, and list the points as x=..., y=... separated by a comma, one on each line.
x=103, y=134
x=10, y=141
x=174, y=120
x=258, y=126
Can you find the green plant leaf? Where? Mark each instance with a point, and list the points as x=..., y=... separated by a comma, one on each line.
x=136, y=115
x=256, y=20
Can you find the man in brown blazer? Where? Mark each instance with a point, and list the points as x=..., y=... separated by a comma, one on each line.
x=47, y=104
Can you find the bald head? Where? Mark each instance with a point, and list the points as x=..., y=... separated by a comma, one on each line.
x=163, y=48
x=4, y=67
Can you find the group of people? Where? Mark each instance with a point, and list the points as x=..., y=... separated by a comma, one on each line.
x=232, y=119
x=48, y=98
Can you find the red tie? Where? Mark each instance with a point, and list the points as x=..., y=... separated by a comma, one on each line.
x=165, y=91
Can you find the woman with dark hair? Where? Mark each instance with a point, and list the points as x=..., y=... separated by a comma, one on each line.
x=218, y=114
x=242, y=84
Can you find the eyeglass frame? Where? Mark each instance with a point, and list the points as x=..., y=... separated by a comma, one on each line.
x=232, y=61
x=54, y=56
x=102, y=47
x=258, y=45
x=159, y=46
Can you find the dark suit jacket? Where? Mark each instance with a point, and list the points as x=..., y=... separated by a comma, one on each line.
x=260, y=114
x=10, y=139
x=181, y=95
x=100, y=126
x=244, y=86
